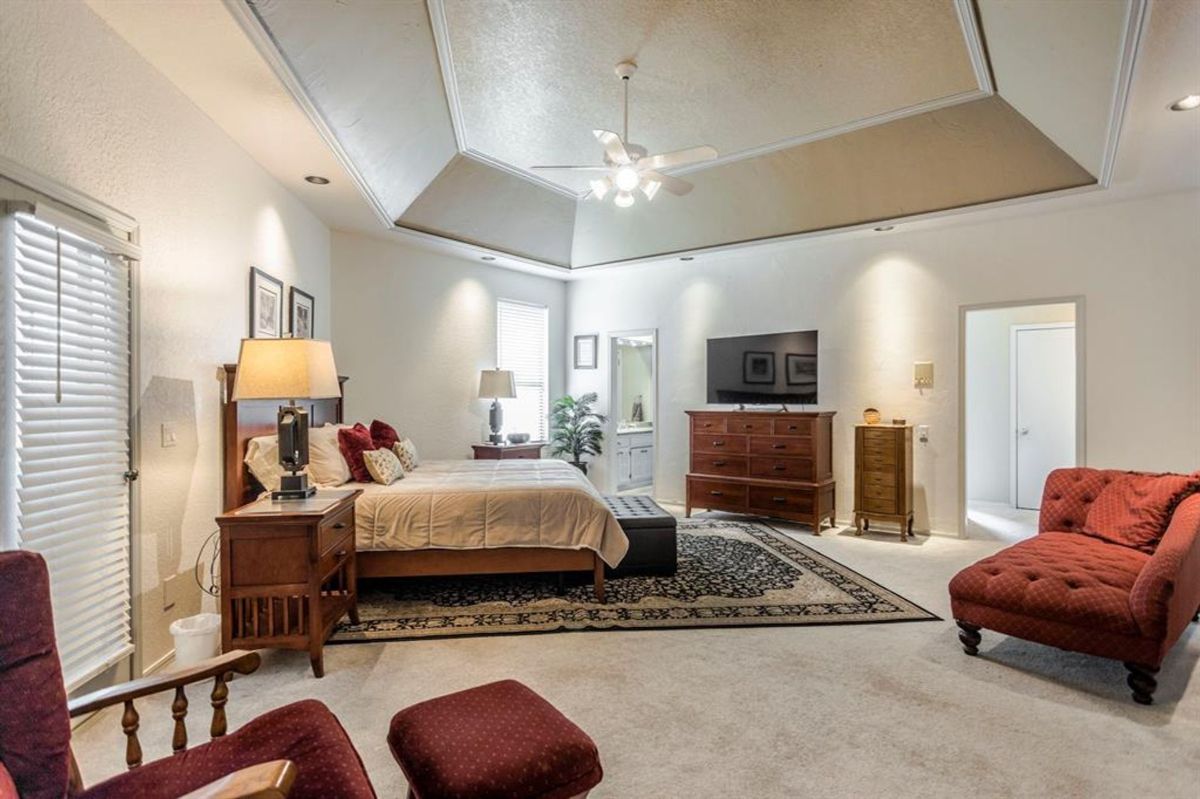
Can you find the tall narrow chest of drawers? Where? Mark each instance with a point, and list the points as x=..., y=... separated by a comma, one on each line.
x=768, y=464
x=883, y=476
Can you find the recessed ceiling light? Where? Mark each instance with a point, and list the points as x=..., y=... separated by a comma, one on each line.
x=487, y=257
x=1192, y=101
x=317, y=180
x=687, y=257
x=885, y=228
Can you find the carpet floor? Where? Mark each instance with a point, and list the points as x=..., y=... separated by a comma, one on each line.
x=731, y=573
x=886, y=710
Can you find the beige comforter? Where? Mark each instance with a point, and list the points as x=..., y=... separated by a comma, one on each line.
x=488, y=504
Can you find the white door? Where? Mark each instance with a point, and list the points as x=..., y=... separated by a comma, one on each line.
x=1043, y=407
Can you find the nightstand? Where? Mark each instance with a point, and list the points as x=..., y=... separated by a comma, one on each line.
x=288, y=573
x=531, y=450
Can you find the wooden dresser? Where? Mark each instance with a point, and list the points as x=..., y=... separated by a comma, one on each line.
x=883, y=476
x=767, y=463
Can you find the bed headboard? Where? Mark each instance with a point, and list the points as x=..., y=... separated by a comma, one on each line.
x=244, y=420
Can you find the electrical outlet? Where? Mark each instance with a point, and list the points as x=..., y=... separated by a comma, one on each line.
x=170, y=435
x=923, y=433
x=170, y=591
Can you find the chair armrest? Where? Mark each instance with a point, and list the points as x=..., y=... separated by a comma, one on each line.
x=271, y=780
x=1166, y=594
x=239, y=661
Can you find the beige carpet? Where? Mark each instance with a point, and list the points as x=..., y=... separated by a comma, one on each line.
x=890, y=710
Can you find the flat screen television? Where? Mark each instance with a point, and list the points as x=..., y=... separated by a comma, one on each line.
x=772, y=369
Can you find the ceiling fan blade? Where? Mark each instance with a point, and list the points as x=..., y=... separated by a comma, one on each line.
x=613, y=146
x=676, y=186
x=678, y=158
x=576, y=168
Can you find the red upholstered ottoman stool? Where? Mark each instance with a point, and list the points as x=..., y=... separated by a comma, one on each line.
x=497, y=741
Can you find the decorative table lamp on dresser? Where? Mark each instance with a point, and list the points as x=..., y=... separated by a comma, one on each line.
x=496, y=384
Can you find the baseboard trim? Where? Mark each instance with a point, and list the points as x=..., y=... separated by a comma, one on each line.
x=160, y=664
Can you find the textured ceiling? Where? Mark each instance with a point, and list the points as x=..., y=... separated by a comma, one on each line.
x=532, y=79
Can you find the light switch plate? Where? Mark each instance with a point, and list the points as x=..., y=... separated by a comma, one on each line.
x=923, y=374
x=170, y=435
x=170, y=591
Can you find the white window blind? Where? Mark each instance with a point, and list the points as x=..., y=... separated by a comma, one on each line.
x=523, y=346
x=66, y=394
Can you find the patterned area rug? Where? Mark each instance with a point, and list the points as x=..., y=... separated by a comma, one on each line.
x=732, y=573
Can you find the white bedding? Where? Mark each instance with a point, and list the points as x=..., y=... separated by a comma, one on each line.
x=485, y=505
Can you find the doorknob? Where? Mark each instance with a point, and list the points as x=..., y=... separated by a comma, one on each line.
x=1024, y=431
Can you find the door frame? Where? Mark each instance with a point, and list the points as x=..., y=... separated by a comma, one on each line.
x=1079, y=301
x=1012, y=394
x=614, y=401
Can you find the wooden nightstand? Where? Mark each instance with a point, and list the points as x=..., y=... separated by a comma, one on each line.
x=495, y=452
x=288, y=573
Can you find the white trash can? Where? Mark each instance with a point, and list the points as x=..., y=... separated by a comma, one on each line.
x=197, y=638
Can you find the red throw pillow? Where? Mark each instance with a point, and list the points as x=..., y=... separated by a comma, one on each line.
x=1135, y=509
x=353, y=442
x=384, y=435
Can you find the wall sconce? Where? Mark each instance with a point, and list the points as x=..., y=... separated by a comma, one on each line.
x=923, y=374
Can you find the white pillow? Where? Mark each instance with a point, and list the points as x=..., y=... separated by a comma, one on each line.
x=262, y=458
x=406, y=451
x=383, y=465
x=326, y=465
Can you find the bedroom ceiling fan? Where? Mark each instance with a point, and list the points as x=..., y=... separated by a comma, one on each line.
x=628, y=167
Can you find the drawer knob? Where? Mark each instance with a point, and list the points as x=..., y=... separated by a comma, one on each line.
x=779, y=467
x=779, y=446
x=341, y=554
x=339, y=526
x=719, y=463
x=717, y=493
x=747, y=426
x=718, y=443
x=779, y=499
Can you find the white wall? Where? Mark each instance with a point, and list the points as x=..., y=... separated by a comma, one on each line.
x=80, y=106
x=988, y=383
x=882, y=302
x=412, y=328
x=637, y=380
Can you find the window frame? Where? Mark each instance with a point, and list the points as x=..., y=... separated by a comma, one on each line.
x=543, y=432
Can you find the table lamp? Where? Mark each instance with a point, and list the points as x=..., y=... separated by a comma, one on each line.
x=497, y=384
x=288, y=369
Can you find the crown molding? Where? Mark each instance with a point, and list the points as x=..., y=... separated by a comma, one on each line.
x=1131, y=43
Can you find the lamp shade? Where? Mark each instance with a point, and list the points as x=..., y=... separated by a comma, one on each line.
x=497, y=384
x=284, y=369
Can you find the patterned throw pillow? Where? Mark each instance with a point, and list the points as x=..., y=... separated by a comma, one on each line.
x=1135, y=509
x=406, y=451
x=383, y=465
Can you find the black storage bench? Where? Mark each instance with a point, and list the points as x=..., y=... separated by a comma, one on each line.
x=651, y=533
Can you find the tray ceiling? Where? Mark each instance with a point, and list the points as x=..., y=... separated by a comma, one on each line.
x=827, y=114
x=528, y=81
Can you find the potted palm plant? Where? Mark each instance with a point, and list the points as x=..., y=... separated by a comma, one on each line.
x=576, y=429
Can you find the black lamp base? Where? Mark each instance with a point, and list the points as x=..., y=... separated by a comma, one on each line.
x=294, y=486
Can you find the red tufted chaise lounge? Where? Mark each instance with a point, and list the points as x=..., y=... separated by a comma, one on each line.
x=1114, y=571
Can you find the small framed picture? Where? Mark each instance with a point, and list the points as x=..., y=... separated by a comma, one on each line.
x=586, y=348
x=266, y=305
x=758, y=367
x=302, y=307
x=801, y=370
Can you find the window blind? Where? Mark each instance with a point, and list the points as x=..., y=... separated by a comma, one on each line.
x=66, y=387
x=523, y=346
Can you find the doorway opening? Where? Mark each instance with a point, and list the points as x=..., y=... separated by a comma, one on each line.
x=1022, y=411
x=632, y=428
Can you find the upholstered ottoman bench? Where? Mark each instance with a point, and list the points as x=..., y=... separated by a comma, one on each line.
x=500, y=741
x=651, y=533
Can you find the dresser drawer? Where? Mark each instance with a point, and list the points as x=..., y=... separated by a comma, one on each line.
x=717, y=494
x=743, y=425
x=878, y=478
x=337, y=554
x=768, y=500
x=521, y=455
x=882, y=435
x=708, y=463
x=718, y=443
x=792, y=427
x=878, y=491
x=333, y=529
x=781, y=445
x=878, y=458
x=781, y=468
x=872, y=505
x=708, y=424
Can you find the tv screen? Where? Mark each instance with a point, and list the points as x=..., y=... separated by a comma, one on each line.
x=777, y=368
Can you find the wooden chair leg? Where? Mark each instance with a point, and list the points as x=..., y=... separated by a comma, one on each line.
x=1142, y=682
x=969, y=637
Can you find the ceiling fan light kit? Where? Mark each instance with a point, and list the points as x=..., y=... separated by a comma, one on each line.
x=627, y=166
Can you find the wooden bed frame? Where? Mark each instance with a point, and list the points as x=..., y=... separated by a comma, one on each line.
x=249, y=418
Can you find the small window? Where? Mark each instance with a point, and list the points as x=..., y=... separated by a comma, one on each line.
x=522, y=344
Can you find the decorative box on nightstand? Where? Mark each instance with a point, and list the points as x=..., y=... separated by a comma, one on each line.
x=288, y=573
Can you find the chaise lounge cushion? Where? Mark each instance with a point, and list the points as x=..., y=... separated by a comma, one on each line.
x=1060, y=577
x=305, y=732
x=497, y=741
